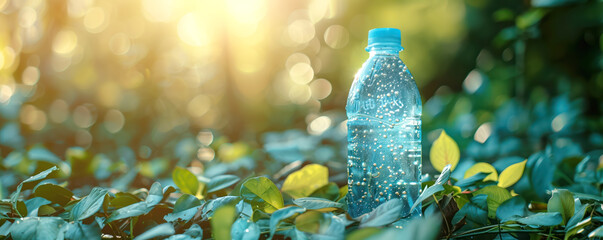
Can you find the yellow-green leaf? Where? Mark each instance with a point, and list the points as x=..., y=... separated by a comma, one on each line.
x=482, y=167
x=496, y=196
x=305, y=181
x=311, y=221
x=262, y=194
x=562, y=201
x=444, y=151
x=343, y=191
x=223, y=219
x=185, y=180
x=511, y=174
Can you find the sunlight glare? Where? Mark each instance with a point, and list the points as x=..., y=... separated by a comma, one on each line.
x=559, y=122
x=483, y=133
x=120, y=44
x=64, y=42
x=198, y=106
x=300, y=94
x=191, y=32
x=6, y=93
x=30, y=76
x=473, y=81
x=301, y=31
x=319, y=125
x=95, y=20
x=59, y=111
x=301, y=73
x=321, y=88
x=114, y=121
x=158, y=10
x=247, y=11
x=317, y=10
x=337, y=36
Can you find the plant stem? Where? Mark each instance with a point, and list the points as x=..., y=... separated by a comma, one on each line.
x=443, y=216
x=476, y=230
x=504, y=231
x=131, y=229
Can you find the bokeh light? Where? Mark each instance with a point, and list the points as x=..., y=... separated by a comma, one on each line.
x=239, y=67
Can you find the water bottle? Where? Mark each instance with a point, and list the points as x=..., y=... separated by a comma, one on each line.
x=384, y=129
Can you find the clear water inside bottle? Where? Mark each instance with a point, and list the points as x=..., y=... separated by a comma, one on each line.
x=384, y=136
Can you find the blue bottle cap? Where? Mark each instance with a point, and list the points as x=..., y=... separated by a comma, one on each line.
x=384, y=36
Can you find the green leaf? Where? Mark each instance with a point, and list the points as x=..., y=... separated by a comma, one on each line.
x=444, y=175
x=282, y=214
x=554, y=3
x=42, y=154
x=317, y=203
x=181, y=237
x=213, y=205
x=21, y=208
x=5, y=228
x=221, y=182
x=46, y=210
x=562, y=201
x=578, y=215
x=245, y=229
x=157, y=194
x=101, y=167
x=79, y=230
x=384, y=214
x=32, y=179
x=161, y=230
x=39, y=228
x=435, y=188
x=496, y=196
x=547, y=219
x=140, y=208
x=329, y=191
x=530, y=17
x=193, y=233
x=89, y=205
x=579, y=226
x=35, y=203
x=297, y=184
x=444, y=151
x=596, y=233
x=362, y=233
x=311, y=221
x=590, y=197
x=343, y=191
x=186, y=201
x=475, y=212
x=511, y=174
x=183, y=215
x=335, y=227
x=262, y=194
x=222, y=222
x=186, y=181
x=54, y=193
x=123, y=199
x=426, y=228
x=464, y=183
x=258, y=215
x=512, y=208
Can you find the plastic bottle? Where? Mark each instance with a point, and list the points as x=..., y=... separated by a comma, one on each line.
x=384, y=129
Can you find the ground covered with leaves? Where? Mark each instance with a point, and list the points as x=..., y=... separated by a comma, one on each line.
x=302, y=200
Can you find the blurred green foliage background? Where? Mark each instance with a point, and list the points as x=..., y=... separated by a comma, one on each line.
x=151, y=84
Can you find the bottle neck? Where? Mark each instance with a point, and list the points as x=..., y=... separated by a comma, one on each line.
x=384, y=49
